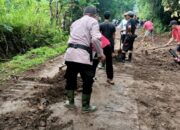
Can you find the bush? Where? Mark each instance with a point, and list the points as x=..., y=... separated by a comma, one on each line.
x=25, y=25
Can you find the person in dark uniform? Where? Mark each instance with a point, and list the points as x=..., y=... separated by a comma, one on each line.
x=136, y=20
x=130, y=37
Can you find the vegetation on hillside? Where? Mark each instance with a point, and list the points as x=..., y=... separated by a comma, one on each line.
x=34, y=23
x=160, y=11
x=43, y=24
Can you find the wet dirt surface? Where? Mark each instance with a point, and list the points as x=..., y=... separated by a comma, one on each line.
x=146, y=96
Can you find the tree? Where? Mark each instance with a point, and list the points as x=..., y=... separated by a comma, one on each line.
x=172, y=7
x=155, y=10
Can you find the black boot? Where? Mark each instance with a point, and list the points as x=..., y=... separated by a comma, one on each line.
x=86, y=107
x=130, y=57
x=70, y=102
x=122, y=57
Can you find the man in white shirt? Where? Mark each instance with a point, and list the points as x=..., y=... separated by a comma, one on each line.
x=122, y=27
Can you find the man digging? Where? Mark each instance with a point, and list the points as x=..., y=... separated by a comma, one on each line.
x=175, y=37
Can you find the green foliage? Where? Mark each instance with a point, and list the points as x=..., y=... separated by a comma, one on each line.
x=117, y=7
x=153, y=10
x=172, y=6
x=159, y=27
x=31, y=59
x=5, y=28
x=25, y=25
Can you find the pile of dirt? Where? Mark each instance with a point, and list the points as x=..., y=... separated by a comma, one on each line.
x=157, y=94
x=30, y=120
x=37, y=117
x=158, y=107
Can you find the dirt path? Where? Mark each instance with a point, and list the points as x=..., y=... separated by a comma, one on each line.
x=146, y=96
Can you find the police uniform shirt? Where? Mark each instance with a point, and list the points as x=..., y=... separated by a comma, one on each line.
x=82, y=31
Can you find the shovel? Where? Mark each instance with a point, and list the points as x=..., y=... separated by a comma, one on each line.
x=173, y=53
x=175, y=56
x=156, y=48
x=120, y=50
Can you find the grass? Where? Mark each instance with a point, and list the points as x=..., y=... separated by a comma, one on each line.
x=29, y=60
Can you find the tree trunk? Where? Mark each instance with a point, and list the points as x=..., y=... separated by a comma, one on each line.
x=6, y=44
x=57, y=12
x=51, y=11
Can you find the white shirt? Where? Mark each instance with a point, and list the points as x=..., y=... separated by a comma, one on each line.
x=122, y=25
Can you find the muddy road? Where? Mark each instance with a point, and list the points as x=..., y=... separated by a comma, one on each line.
x=146, y=96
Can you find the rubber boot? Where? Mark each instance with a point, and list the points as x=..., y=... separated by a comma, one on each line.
x=70, y=102
x=86, y=107
x=122, y=57
x=130, y=57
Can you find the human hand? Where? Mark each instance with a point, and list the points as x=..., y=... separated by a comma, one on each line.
x=102, y=58
x=167, y=44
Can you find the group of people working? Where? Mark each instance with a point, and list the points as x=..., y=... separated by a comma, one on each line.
x=127, y=29
x=90, y=43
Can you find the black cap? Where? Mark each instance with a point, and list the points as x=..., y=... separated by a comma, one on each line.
x=130, y=13
x=90, y=10
x=107, y=14
x=173, y=22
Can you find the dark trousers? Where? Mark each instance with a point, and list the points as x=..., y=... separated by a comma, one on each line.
x=112, y=47
x=128, y=43
x=123, y=37
x=86, y=72
x=109, y=62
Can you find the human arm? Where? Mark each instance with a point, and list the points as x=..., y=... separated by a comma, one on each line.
x=98, y=48
x=128, y=29
x=114, y=32
x=96, y=36
x=121, y=26
x=114, y=36
x=170, y=41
